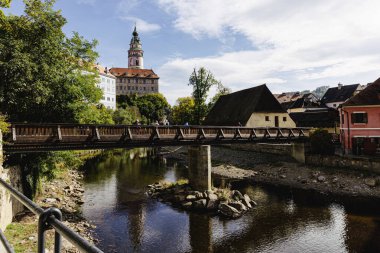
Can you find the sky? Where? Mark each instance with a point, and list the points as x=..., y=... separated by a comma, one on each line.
x=287, y=44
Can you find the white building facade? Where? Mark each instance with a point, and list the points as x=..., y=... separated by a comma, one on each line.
x=107, y=83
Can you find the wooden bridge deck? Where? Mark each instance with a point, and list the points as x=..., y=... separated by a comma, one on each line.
x=45, y=137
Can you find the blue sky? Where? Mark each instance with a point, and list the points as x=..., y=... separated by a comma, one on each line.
x=290, y=45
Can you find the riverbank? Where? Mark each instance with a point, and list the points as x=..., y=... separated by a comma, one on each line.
x=66, y=193
x=280, y=170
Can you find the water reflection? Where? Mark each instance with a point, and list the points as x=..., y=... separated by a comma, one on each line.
x=284, y=220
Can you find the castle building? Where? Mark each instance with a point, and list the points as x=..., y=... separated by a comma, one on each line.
x=135, y=79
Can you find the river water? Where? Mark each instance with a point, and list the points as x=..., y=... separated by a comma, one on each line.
x=284, y=221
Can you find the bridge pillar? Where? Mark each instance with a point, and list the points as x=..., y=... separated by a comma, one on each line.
x=298, y=151
x=200, y=167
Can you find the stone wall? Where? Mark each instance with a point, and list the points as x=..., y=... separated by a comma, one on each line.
x=8, y=206
x=358, y=163
x=279, y=149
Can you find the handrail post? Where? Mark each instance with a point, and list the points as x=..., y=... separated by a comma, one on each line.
x=44, y=224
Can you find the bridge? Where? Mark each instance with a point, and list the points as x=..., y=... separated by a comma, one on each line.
x=24, y=138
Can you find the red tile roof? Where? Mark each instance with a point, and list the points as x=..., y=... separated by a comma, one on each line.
x=129, y=72
x=103, y=71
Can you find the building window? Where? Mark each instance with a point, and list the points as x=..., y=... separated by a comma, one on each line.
x=144, y=81
x=266, y=118
x=334, y=105
x=284, y=119
x=112, y=99
x=144, y=88
x=103, y=98
x=152, y=81
x=108, y=99
x=359, y=117
x=129, y=87
x=129, y=81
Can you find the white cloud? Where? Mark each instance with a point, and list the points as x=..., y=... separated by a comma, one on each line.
x=143, y=26
x=297, y=44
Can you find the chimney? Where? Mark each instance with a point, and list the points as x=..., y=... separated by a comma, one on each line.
x=340, y=86
x=106, y=70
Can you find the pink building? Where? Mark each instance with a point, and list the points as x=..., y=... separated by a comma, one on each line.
x=360, y=122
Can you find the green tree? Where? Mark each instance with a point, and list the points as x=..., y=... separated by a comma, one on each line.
x=153, y=106
x=4, y=4
x=44, y=75
x=201, y=80
x=183, y=111
x=127, y=115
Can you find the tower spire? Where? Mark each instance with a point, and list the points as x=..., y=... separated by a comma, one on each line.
x=135, y=52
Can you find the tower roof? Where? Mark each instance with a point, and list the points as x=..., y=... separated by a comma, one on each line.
x=135, y=38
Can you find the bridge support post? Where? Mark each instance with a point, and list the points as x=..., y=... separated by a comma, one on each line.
x=200, y=167
x=298, y=151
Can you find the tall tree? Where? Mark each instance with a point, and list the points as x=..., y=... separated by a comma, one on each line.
x=153, y=106
x=201, y=80
x=44, y=75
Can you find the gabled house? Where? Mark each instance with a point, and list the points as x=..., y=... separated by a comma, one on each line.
x=325, y=118
x=338, y=95
x=360, y=122
x=307, y=101
x=254, y=107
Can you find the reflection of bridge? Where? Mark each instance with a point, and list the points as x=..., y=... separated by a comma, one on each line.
x=45, y=137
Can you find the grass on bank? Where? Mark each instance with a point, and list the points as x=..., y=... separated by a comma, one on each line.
x=18, y=235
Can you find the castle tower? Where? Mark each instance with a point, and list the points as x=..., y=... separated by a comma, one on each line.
x=135, y=52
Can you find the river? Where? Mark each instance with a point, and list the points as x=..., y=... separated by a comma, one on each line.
x=285, y=220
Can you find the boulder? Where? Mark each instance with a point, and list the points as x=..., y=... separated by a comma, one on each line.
x=50, y=200
x=212, y=196
x=239, y=206
x=212, y=204
x=253, y=203
x=200, y=203
x=237, y=195
x=229, y=211
x=371, y=182
x=198, y=195
x=247, y=201
x=191, y=197
x=321, y=179
x=187, y=204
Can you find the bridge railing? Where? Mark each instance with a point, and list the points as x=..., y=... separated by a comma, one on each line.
x=77, y=132
x=48, y=218
x=43, y=137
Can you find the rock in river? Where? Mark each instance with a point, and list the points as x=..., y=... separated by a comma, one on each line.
x=229, y=211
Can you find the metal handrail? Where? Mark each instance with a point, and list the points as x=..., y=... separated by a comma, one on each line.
x=50, y=217
x=5, y=243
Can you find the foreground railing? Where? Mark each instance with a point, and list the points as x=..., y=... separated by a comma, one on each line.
x=50, y=217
